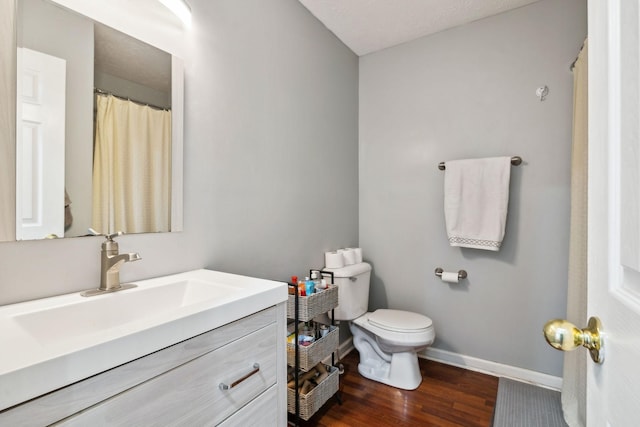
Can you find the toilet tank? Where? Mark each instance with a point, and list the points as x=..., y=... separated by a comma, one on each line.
x=353, y=290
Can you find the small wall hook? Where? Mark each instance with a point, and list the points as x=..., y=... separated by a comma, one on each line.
x=542, y=92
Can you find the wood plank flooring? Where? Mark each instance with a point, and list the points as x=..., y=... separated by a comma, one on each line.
x=448, y=397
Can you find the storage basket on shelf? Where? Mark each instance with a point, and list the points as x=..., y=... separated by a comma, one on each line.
x=312, y=401
x=314, y=304
x=313, y=353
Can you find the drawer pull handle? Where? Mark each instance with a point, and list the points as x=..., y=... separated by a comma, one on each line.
x=256, y=368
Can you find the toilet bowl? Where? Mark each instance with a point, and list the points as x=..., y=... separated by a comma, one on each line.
x=388, y=340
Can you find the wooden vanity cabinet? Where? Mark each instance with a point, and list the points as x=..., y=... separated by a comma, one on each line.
x=181, y=385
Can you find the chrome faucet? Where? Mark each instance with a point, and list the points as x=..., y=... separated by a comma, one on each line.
x=110, y=263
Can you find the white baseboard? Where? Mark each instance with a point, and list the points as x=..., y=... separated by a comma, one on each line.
x=345, y=348
x=474, y=364
x=493, y=368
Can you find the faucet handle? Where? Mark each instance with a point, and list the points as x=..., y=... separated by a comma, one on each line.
x=111, y=236
x=108, y=236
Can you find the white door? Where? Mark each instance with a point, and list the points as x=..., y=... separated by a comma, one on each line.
x=613, y=388
x=40, y=133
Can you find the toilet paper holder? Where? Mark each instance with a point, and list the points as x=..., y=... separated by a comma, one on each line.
x=461, y=273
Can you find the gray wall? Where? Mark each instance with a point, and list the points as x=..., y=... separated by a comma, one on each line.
x=464, y=93
x=271, y=181
x=274, y=99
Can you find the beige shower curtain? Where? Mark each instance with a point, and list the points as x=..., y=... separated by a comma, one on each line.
x=575, y=362
x=131, y=167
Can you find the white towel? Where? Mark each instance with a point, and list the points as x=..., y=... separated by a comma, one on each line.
x=476, y=195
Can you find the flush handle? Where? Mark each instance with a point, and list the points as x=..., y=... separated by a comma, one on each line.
x=565, y=336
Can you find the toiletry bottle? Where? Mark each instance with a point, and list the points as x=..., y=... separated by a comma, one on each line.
x=315, y=276
x=302, y=288
x=309, y=286
x=324, y=330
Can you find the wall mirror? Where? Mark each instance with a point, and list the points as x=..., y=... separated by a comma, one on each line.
x=99, y=128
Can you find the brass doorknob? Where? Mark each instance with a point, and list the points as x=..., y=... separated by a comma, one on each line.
x=565, y=336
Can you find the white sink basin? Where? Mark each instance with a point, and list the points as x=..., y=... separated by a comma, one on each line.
x=53, y=342
x=87, y=316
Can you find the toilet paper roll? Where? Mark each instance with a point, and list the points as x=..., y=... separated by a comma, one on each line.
x=358, y=253
x=451, y=277
x=333, y=260
x=349, y=256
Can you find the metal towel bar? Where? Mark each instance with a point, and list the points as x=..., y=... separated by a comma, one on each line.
x=515, y=161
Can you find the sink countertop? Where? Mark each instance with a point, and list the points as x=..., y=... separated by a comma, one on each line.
x=53, y=342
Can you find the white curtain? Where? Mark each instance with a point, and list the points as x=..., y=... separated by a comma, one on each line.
x=131, y=167
x=574, y=385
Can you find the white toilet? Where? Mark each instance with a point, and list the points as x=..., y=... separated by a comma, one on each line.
x=388, y=340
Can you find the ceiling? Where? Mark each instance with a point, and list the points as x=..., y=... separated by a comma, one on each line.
x=367, y=26
x=128, y=58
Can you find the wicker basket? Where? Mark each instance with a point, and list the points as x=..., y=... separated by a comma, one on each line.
x=313, y=305
x=312, y=401
x=312, y=354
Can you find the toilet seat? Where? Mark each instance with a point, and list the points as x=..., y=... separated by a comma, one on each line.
x=400, y=321
x=409, y=336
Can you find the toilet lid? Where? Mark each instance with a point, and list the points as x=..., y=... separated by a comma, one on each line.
x=399, y=321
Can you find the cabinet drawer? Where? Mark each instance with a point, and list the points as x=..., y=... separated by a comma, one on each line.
x=190, y=394
x=263, y=411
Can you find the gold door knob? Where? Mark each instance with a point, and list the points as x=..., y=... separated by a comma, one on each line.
x=565, y=336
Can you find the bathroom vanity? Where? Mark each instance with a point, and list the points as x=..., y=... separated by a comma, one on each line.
x=229, y=374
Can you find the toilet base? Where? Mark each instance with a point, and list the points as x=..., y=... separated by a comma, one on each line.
x=402, y=372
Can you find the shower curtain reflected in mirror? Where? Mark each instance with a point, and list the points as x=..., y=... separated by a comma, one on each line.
x=131, y=167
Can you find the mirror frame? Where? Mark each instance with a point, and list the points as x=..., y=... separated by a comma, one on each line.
x=177, y=144
x=8, y=121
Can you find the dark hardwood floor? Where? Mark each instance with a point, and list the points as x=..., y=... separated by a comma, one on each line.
x=448, y=396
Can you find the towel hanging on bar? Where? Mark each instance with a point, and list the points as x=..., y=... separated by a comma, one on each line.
x=476, y=198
